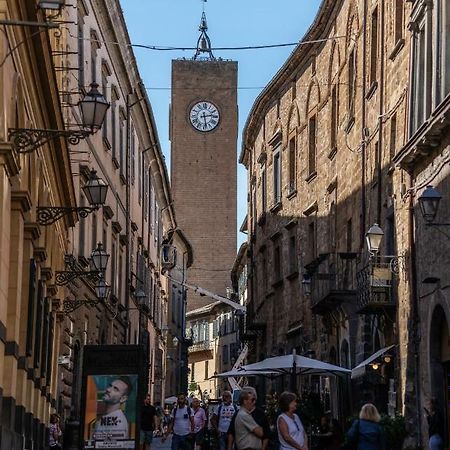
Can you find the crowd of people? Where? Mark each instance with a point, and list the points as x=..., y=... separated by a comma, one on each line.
x=246, y=426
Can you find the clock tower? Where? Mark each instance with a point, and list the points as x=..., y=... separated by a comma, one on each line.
x=203, y=134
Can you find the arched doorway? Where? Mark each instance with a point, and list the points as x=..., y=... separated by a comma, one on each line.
x=440, y=364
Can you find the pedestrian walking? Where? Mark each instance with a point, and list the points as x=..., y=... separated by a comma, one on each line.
x=199, y=424
x=55, y=433
x=435, y=426
x=181, y=425
x=221, y=419
x=291, y=433
x=365, y=432
x=260, y=418
x=248, y=433
x=149, y=423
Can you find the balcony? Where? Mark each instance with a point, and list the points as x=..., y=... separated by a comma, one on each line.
x=375, y=284
x=333, y=281
x=203, y=346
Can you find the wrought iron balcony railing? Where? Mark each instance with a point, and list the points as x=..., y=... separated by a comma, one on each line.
x=202, y=346
x=333, y=281
x=376, y=282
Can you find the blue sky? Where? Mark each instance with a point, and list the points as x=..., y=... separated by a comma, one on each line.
x=231, y=23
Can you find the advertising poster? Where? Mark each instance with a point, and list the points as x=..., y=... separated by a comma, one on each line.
x=110, y=411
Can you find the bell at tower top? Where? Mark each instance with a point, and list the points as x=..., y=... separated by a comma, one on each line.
x=204, y=49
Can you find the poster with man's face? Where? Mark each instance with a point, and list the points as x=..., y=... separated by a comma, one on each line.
x=110, y=415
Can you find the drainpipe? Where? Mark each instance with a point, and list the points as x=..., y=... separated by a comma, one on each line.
x=415, y=312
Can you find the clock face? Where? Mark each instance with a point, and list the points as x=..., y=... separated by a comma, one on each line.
x=204, y=116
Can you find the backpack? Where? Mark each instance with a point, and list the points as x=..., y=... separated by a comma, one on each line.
x=220, y=410
x=189, y=411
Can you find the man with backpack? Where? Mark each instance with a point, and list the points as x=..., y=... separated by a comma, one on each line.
x=181, y=425
x=221, y=419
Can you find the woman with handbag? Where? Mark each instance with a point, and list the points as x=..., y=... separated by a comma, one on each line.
x=366, y=432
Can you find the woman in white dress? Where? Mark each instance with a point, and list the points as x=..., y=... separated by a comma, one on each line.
x=291, y=433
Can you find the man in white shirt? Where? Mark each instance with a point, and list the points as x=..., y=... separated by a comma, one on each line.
x=114, y=424
x=181, y=425
x=221, y=418
x=248, y=433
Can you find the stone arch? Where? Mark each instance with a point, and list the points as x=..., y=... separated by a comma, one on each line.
x=352, y=26
x=293, y=117
x=335, y=64
x=313, y=97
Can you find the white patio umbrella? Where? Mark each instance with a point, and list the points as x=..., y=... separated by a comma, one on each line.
x=297, y=364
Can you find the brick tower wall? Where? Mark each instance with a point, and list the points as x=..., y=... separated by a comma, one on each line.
x=203, y=171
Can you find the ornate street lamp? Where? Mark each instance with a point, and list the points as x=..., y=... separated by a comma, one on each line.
x=429, y=203
x=373, y=238
x=99, y=259
x=93, y=110
x=102, y=289
x=95, y=191
x=98, y=262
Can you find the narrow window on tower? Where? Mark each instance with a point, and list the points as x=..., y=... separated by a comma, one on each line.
x=351, y=88
x=292, y=165
x=374, y=47
x=293, y=265
x=334, y=120
x=105, y=94
x=114, y=99
x=312, y=246
x=398, y=17
x=393, y=136
x=312, y=153
x=80, y=37
x=263, y=189
x=277, y=273
x=277, y=176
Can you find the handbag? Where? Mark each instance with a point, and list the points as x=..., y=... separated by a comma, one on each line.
x=352, y=444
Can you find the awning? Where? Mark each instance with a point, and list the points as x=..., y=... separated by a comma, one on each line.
x=360, y=369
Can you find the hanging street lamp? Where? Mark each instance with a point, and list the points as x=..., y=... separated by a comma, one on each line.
x=429, y=203
x=373, y=238
x=93, y=108
x=95, y=191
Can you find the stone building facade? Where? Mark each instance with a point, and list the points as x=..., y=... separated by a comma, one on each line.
x=137, y=218
x=319, y=146
x=215, y=348
x=29, y=253
x=424, y=160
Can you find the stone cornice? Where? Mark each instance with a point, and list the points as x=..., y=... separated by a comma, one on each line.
x=21, y=200
x=9, y=159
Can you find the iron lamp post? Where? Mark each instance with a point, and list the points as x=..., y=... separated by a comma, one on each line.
x=95, y=191
x=93, y=108
x=102, y=289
